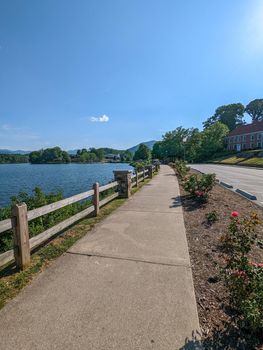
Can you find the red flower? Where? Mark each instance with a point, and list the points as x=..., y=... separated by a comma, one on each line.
x=234, y=214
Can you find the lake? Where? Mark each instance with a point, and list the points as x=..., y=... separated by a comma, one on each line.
x=68, y=178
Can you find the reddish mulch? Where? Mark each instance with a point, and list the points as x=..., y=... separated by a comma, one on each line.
x=217, y=318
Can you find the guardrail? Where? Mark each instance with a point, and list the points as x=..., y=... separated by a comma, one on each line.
x=23, y=245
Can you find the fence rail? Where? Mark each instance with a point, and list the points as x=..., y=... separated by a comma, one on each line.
x=23, y=245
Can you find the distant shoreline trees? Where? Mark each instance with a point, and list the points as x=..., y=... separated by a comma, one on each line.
x=13, y=158
x=49, y=156
x=56, y=155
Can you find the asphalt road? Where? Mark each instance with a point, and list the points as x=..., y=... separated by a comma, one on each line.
x=248, y=179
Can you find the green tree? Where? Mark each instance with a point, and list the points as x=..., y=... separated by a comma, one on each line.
x=126, y=156
x=174, y=143
x=142, y=153
x=193, y=145
x=255, y=110
x=213, y=138
x=157, y=151
x=231, y=115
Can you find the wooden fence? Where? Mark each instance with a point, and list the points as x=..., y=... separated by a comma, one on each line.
x=23, y=245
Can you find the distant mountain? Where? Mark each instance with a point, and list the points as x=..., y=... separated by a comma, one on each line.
x=149, y=144
x=72, y=152
x=8, y=151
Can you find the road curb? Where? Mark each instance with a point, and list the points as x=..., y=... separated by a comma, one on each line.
x=225, y=184
x=246, y=194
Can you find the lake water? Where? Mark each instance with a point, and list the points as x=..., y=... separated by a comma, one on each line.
x=68, y=178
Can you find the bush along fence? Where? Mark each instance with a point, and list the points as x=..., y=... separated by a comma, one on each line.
x=101, y=195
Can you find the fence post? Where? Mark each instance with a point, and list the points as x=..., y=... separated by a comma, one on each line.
x=21, y=236
x=136, y=179
x=96, y=198
x=150, y=171
x=143, y=174
x=124, y=182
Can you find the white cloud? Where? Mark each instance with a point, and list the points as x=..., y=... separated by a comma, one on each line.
x=102, y=119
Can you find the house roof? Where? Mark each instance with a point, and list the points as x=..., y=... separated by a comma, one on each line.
x=247, y=129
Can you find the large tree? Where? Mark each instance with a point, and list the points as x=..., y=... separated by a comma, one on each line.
x=126, y=156
x=174, y=143
x=255, y=110
x=142, y=153
x=193, y=145
x=157, y=151
x=231, y=115
x=213, y=139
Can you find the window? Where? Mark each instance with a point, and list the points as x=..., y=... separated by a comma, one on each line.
x=259, y=144
x=252, y=137
x=252, y=145
x=244, y=137
x=239, y=138
x=244, y=146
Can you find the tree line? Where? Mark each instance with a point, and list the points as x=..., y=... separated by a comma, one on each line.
x=13, y=158
x=56, y=155
x=195, y=145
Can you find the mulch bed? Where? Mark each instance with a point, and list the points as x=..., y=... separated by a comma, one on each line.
x=217, y=319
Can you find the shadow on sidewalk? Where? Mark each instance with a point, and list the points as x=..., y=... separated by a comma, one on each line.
x=176, y=202
x=229, y=338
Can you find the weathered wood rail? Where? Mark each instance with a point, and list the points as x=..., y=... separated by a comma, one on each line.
x=23, y=245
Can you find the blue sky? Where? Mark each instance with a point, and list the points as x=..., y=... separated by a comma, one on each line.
x=114, y=73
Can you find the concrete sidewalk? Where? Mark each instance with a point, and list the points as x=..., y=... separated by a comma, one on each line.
x=126, y=285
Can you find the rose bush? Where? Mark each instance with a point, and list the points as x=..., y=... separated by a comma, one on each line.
x=244, y=278
x=181, y=168
x=199, y=185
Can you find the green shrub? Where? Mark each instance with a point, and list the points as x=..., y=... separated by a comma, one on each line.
x=199, y=185
x=181, y=168
x=211, y=217
x=139, y=165
x=244, y=278
x=36, y=226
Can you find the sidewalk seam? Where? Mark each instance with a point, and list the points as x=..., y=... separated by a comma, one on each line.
x=130, y=259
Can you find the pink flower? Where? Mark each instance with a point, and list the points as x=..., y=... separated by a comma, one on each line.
x=234, y=214
x=199, y=193
x=256, y=264
x=240, y=273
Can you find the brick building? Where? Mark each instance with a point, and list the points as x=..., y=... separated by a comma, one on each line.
x=245, y=137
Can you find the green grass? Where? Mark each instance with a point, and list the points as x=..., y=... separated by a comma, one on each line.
x=12, y=280
x=232, y=160
x=255, y=161
x=240, y=159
